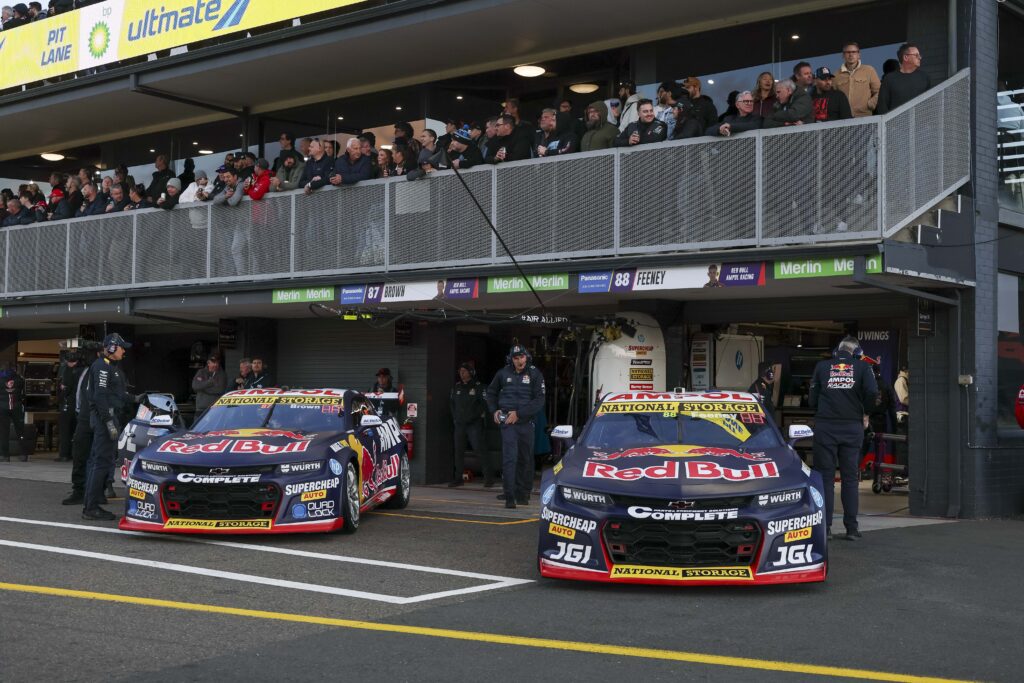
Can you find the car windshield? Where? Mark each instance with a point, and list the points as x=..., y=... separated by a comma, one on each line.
x=296, y=417
x=620, y=426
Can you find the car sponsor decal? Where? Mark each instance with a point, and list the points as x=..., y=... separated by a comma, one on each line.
x=564, y=520
x=797, y=535
x=563, y=531
x=778, y=526
x=557, y=468
x=293, y=467
x=584, y=497
x=682, y=451
x=382, y=473
x=572, y=552
x=643, y=512
x=135, y=493
x=600, y=470
x=239, y=446
x=141, y=510
x=816, y=495
x=624, y=571
x=278, y=400
x=314, y=495
x=548, y=494
x=323, y=508
x=790, y=555
x=142, y=486
x=712, y=470
x=193, y=478
x=308, y=486
x=335, y=466
x=777, y=498
x=218, y=524
x=299, y=511
x=283, y=433
x=666, y=396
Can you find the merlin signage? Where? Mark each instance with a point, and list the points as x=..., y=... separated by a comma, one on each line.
x=507, y=284
x=303, y=295
x=114, y=30
x=824, y=267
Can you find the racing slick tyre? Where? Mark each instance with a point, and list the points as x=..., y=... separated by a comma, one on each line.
x=350, y=500
x=401, y=497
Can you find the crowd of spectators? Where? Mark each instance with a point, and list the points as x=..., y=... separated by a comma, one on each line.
x=13, y=16
x=680, y=112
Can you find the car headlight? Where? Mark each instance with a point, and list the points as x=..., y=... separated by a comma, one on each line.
x=150, y=466
x=777, y=498
x=586, y=498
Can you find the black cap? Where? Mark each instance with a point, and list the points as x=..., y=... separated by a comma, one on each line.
x=823, y=72
x=518, y=350
x=114, y=339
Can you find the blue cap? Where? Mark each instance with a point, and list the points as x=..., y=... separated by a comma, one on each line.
x=114, y=339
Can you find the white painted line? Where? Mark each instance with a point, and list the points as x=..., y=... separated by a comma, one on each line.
x=508, y=580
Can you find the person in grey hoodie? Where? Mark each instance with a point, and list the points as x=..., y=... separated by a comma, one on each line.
x=600, y=133
x=793, y=106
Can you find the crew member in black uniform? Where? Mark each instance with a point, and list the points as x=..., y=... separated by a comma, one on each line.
x=108, y=399
x=843, y=393
x=259, y=378
x=66, y=420
x=12, y=411
x=514, y=398
x=81, y=442
x=763, y=386
x=385, y=385
x=469, y=408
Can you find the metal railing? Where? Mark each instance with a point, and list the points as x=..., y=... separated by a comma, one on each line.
x=862, y=179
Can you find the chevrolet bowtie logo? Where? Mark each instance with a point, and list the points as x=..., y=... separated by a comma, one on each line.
x=683, y=504
x=219, y=470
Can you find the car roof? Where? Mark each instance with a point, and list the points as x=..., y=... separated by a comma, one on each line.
x=339, y=393
x=719, y=396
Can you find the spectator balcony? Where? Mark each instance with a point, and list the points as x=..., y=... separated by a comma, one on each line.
x=862, y=180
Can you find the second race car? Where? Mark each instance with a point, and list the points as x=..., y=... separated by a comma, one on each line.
x=682, y=488
x=270, y=461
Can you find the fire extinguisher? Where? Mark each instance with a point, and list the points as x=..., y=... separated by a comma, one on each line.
x=406, y=430
x=1019, y=408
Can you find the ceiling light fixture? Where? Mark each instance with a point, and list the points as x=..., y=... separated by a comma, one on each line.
x=458, y=97
x=195, y=143
x=584, y=88
x=52, y=156
x=529, y=70
x=341, y=118
x=206, y=151
x=711, y=81
x=398, y=108
x=795, y=37
x=151, y=151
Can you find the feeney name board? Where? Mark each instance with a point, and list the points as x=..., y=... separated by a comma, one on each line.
x=303, y=295
x=514, y=283
x=824, y=267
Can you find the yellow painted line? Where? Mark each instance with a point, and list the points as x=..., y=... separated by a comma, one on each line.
x=494, y=638
x=453, y=519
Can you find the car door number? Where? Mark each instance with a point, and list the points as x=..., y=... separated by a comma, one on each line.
x=572, y=552
x=794, y=555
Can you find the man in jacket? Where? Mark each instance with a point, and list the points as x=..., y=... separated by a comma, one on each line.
x=81, y=440
x=233, y=192
x=630, y=99
x=704, y=110
x=906, y=83
x=17, y=214
x=469, y=408
x=108, y=402
x=763, y=386
x=514, y=398
x=828, y=103
x=12, y=410
x=259, y=378
x=600, y=133
x=259, y=184
x=511, y=143
x=842, y=394
x=288, y=175
x=859, y=82
x=645, y=130
x=319, y=168
x=161, y=175
x=463, y=152
x=92, y=203
x=555, y=136
x=67, y=416
x=209, y=384
x=792, y=106
x=745, y=119
x=68, y=206
x=352, y=166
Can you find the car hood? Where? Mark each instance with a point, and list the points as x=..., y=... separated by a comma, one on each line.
x=673, y=470
x=240, y=447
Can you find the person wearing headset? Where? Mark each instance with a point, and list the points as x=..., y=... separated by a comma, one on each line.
x=763, y=386
x=469, y=408
x=514, y=398
x=107, y=401
x=843, y=393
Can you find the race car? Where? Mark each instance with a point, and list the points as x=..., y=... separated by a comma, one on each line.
x=682, y=489
x=270, y=461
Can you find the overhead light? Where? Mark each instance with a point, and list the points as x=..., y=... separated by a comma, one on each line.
x=52, y=156
x=206, y=151
x=711, y=81
x=341, y=118
x=529, y=70
x=458, y=97
x=151, y=151
x=398, y=108
x=195, y=143
x=385, y=146
x=584, y=88
x=795, y=37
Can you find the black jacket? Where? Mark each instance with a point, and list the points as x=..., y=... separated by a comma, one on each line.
x=69, y=377
x=468, y=402
x=831, y=106
x=468, y=159
x=563, y=140
x=323, y=168
x=68, y=207
x=260, y=381
x=109, y=391
x=655, y=131
x=843, y=388
x=158, y=185
x=522, y=392
x=518, y=146
x=705, y=112
x=94, y=208
x=765, y=390
x=797, y=108
x=23, y=217
x=737, y=124
x=13, y=391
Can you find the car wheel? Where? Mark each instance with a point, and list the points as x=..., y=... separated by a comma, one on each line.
x=350, y=500
x=401, y=497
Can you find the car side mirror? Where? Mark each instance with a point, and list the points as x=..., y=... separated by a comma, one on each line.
x=798, y=433
x=370, y=421
x=563, y=433
x=165, y=421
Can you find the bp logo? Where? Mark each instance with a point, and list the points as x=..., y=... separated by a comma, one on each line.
x=99, y=40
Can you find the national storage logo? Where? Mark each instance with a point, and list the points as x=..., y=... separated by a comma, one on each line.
x=155, y=23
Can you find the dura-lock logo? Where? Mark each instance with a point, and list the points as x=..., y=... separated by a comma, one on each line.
x=154, y=23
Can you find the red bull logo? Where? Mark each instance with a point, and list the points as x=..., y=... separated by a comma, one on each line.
x=294, y=436
x=712, y=452
x=843, y=367
x=676, y=452
x=712, y=470
x=633, y=453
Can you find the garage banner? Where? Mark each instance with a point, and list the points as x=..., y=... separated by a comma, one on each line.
x=690, y=277
x=117, y=29
x=824, y=267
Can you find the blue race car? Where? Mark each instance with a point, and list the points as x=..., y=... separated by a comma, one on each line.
x=270, y=461
x=682, y=488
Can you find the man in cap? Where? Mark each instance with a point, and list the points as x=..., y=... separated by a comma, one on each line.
x=462, y=151
x=629, y=98
x=763, y=386
x=829, y=103
x=258, y=184
x=704, y=110
x=514, y=398
x=209, y=384
x=385, y=385
x=108, y=400
x=469, y=408
x=170, y=197
x=843, y=393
